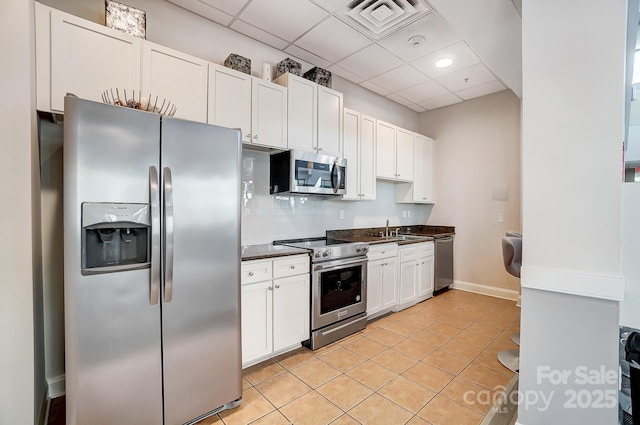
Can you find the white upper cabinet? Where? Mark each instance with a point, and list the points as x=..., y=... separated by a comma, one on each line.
x=268, y=114
x=359, y=150
x=330, y=121
x=421, y=191
x=385, y=150
x=81, y=57
x=230, y=99
x=314, y=116
x=178, y=78
x=255, y=106
x=394, y=153
x=404, y=154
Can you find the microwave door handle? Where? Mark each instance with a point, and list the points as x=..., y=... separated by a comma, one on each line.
x=154, y=199
x=336, y=168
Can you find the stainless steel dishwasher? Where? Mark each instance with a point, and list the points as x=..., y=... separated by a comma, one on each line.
x=444, y=262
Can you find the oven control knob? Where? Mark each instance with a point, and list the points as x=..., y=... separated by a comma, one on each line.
x=325, y=253
x=317, y=255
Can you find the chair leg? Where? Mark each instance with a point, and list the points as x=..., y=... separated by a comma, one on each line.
x=510, y=359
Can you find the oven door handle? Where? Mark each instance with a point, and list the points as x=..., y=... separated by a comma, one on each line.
x=339, y=265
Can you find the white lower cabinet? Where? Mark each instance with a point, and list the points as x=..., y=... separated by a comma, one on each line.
x=275, y=306
x=382, y=283
x=415, y=274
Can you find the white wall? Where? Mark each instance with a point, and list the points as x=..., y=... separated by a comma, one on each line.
x=478, y=177
x=630, y=307
x=573, y=128
x=266, y=218
x=21, y=361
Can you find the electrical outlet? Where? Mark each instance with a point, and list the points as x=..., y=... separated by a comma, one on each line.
x=404, y=214
x=409, y=213
x=500, y=218
x=341, y=214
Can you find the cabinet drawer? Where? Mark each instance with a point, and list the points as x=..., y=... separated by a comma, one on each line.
x=290, y=266
x=377, y=252
x=255, y=271
x=426, y=250
x=409, y=254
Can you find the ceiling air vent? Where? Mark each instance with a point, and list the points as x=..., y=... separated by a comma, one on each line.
x=377, y=18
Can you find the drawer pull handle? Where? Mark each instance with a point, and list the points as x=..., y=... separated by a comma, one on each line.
x=250, y=273
x=270, y=288
x=277, y=286
x=292, y=266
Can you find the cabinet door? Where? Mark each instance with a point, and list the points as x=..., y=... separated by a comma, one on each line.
x=367, y=164
x=230, y=99
x=407, y=281
x=351, y=153
x=257, y=324
x=268, y=114
x=385, y=150
x=302, y=113
x=87, y=59
x=426, y=276
x=404, y=155
x=428, y=172
x=374, y=286
x=175, y=77
x=330, y=116
x=389, y=282
x=290, y=311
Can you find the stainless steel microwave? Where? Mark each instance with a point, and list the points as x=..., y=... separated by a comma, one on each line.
x=307, y=173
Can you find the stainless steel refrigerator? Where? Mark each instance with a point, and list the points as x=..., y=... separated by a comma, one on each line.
x=152, y=267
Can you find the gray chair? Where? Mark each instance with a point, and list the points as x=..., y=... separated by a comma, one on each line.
x=512, y=257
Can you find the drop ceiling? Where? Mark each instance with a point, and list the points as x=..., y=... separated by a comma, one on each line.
x=389, y=46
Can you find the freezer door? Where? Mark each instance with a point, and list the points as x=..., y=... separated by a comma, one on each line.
x=112, y=341
x=201, y=292
x=443, y=262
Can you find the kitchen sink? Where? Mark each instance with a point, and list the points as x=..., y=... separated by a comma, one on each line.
x=401, y=238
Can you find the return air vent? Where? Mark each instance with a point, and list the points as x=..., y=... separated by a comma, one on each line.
x=377, y=18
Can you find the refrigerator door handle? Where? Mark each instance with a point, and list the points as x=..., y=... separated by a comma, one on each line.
x=168, y=234
x=154, y=198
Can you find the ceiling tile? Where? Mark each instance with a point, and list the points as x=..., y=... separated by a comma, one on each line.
x=333, y=40
x=205, y=10
x=331, y=5
x=416, y=108
x=440, y=101
x=307, y=56
x=467, y=77
x=460, y=53
x=436, y=35
x=399, y=99
x=231, y=7
x=345, y=73
x=423, y=91
x=369, y=62
x=283, y=18
x=258, y=34
x=399, y=78
x=481, y=90
x=375, y=88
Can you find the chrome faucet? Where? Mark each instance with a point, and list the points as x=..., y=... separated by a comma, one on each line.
x=386, y=232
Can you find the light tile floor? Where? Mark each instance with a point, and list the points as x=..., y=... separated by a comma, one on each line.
x=434, y=363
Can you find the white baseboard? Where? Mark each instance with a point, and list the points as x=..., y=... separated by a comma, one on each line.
x=56, y=386
x=492, y=291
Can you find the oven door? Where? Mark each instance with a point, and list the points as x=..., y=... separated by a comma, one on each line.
x=339, y=290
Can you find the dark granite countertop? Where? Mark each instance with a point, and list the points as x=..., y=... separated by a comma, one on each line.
x=371, y=235
x=265, y=251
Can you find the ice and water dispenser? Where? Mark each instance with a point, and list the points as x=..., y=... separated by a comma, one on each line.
x=115, y=237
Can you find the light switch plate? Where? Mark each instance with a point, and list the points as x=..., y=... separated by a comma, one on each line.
x=500, y=218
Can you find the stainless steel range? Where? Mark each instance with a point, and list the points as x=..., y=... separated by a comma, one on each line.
x=338, y=288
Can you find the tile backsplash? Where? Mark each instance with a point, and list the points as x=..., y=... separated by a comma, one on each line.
x=266, y=217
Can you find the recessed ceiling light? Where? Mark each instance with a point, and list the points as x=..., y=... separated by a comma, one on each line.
x=443, y=63
x=415, y=41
